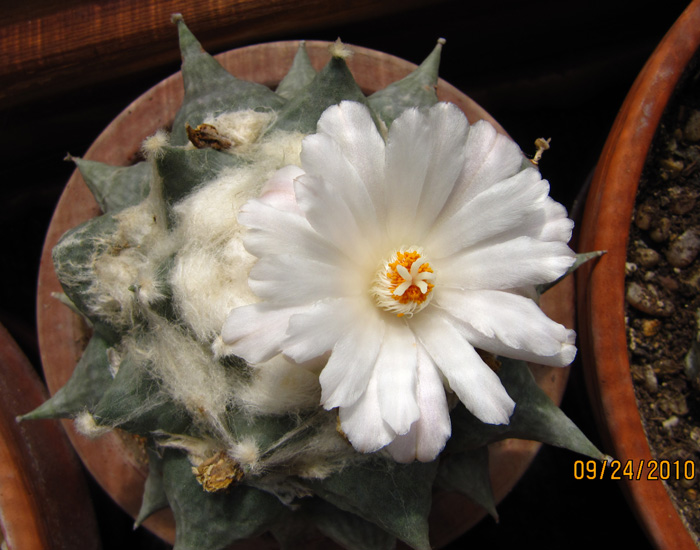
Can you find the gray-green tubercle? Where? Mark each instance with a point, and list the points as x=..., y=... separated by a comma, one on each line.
x=125, y=390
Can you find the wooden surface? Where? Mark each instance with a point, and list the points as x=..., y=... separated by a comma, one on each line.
x=49, y=46
x=603, y=330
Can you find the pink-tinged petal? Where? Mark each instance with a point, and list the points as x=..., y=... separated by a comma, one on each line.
x=522, y=261
x=362, y=421
x=509, y=206
x=288, y=280
x=351, y=126
x=254, y=332
x=490, y=157
x=278, y=191
x=271, y=231
x=345, y=377
x=314, y=332
x=476, y=385
x=429, y=434
x=517, y=322
x=396, y=375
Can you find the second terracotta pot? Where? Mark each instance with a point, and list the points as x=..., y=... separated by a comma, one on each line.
x=601, y=287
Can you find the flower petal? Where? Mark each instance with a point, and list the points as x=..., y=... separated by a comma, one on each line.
x=396, y=377
x=317, y=329
x=344, y=161
x=564, y=357
x=254, y=332
x=351, y=126
x=519, y=262
x=515, y=321
x=288, y=280
x=348, y=370
x=506, y=206
x=476, y=385
x=323, y=158
x=273, y=231
x=557, y=225
x=334, y=217
x=362, y=421
x=429, y=434
x=424, y=156
x=489, y=157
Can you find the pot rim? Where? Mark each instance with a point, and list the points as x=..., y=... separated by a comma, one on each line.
x=601, y=288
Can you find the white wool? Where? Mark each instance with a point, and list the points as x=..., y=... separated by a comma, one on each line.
x=127, y=262
x=314, y=450
x=246, y=453
x=281, y=149
x=279, y=386
x=86, y=425
x=206, y=286
x=115, y=359
x=340, y=50
x=242, y=128
x=210, y=276
x=187, y=372
x=152, y=147
x=197, y=449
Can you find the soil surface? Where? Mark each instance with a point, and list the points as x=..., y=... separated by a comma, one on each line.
x=663, y=296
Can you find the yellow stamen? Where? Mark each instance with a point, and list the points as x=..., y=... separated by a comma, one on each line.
x=413, y=293
x=403, y=284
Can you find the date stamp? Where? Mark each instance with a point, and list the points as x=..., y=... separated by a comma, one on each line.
x=634, y=470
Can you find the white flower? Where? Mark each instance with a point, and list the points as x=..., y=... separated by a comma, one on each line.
x=397, y=260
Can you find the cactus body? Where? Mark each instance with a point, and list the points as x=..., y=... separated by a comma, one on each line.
x=157, y=273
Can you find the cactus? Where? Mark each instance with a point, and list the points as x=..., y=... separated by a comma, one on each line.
x=237, y=449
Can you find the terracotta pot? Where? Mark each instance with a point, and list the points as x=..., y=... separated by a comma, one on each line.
x=44, y=501
x=601, y=287
x=114, y=460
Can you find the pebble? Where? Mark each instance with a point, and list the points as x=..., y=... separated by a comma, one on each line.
x=661, y=230
x=646, y=257
x=675, y=405
x=670, y=423
x=691, y=130
x=669, y=283
x=650, y=327
x=693, y=279
x=673, y=166
x=684, y=249
x=647, y=300
x=650, y=381
x=644, y=216
x=666, y=366
x=695, y=436
x=682, y=200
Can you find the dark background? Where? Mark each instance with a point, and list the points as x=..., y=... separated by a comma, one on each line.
x=554, y=69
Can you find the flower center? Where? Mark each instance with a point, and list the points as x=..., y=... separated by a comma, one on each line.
x=404, y=282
